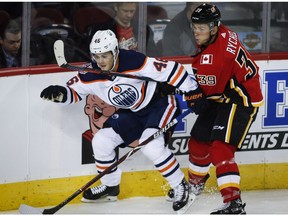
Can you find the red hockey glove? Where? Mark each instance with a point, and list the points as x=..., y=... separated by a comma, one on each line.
x=196, y=100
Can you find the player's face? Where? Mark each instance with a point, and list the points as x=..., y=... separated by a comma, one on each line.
x=201, y=33
x=11, y=43
x=104, y=60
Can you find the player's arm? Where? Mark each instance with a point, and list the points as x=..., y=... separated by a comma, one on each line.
x=170, y=72
x=176, y=75
x=54, y=93
x=73, y=92
x=196, y=100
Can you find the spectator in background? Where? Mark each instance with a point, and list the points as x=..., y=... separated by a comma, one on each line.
x=178, y=38
x=10, y=41
x=121, y=25
x=125, y=29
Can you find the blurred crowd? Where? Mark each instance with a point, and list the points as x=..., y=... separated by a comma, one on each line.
x=167, y=30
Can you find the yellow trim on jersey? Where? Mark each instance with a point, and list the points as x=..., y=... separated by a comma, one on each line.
x=247, y=127
x=258, y=104
x=230, y=123
x=240, y=92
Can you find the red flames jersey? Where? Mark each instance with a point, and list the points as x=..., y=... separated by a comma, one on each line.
x=226, y=71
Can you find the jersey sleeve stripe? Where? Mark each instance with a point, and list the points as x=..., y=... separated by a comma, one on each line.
x=172, y=72
x=70, y=93
x=75, y=96
x=182, y=80
x=177, y=75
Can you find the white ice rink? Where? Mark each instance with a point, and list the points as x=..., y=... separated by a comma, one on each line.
x=257, y=202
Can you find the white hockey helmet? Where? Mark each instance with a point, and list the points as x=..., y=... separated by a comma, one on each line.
x=104, y=41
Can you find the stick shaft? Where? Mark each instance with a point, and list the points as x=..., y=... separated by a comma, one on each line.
x=109, y=73
x=61, y=61
x=123, y=158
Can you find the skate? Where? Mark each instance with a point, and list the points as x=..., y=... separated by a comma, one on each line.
x=195, y=189
x=232, y=207
x=94, y=194
x=181, y=196
x=170, y=195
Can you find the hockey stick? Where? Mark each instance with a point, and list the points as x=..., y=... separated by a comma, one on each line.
x=61, y=61
x=25, y=209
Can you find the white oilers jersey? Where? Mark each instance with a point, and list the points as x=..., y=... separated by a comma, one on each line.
x=128, y=93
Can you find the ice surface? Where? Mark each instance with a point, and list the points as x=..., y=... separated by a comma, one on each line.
x=257, y=202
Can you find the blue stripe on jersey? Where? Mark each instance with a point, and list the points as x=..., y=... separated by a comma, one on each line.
x=79, y=97
x=106, y=162
x=113, y=170
x=173, y=71
x=182, y=80
x=172, y=171
x=73, y=99
x=164, y=162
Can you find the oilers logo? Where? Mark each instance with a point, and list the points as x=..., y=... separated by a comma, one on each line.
x=123, y=95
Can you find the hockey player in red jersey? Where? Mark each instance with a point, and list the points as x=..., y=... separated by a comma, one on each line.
x=142, y=110
x=229, y=78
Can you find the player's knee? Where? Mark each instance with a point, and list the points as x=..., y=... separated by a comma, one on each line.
x=155, y=148
x=198, y=150
x=102, y=145
x=221, y=152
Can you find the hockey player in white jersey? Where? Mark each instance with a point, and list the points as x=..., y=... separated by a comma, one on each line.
x=143, y=108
